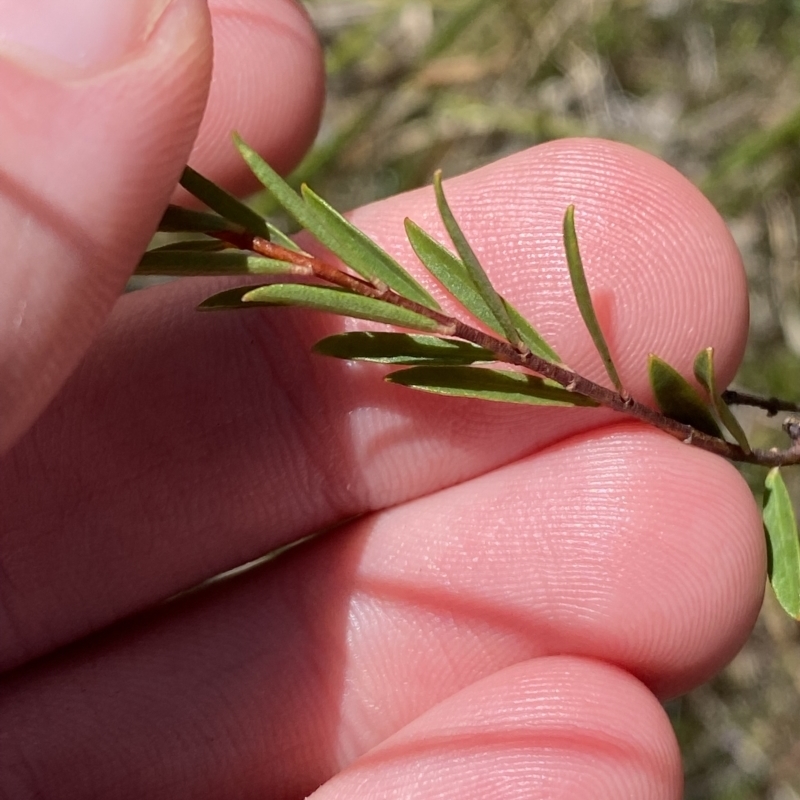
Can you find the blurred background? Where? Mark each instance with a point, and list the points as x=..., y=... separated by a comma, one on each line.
x=710, y=86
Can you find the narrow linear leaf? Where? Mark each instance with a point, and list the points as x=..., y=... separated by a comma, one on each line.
x=477, y=275
x=678, y=399
x=338, y=301
x=452, y=274
x=531, y=338
x=487, y=384
x=332, y=230
x=360, y=253
x=228, y=300
x=401, y=348
x=180, y=219
x=198, y=245
x=194, y=262
x=583, y=297
x=705, y=374
x=283, y=194
x=224, y=203
x=780, y=525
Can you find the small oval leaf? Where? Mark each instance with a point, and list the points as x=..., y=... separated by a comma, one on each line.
x=337, y=301
x=678, y=399
x=488, y=384
x=780, y=525
x=583, y=297
x=704, y=372
x=401, y=348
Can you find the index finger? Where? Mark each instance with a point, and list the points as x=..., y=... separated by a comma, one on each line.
x=180, y=427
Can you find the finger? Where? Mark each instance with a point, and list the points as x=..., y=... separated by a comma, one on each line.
x=184, y=425
x=550, y=727
x=98, y=118
x=623, y=546
x=268, y=85
x=132, y=109
x=658, y=257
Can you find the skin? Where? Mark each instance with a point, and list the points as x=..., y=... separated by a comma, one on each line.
x=504, y=594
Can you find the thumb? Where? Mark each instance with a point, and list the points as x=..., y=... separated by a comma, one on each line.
x=101, y=104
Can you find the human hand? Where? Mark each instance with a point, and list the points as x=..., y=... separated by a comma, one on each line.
x=516, y=577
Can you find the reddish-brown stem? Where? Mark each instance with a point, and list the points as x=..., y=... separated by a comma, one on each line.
x=508, y=353
x=326, y=272
x=625, y=405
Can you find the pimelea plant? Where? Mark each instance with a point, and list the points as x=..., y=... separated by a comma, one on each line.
x=446, y=355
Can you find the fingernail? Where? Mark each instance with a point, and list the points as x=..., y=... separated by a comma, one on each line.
x=65, y=39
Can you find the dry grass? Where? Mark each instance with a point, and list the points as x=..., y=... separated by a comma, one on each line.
x=713, y=88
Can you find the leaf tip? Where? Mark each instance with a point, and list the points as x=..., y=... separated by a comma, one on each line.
x=773, y=476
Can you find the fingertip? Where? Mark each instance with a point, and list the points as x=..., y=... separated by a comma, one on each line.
x=86, y=169
x=621, y=544
x=268, y=85
x=661, y=265
x=664, y=262
x=693, y=581
x=555, y=726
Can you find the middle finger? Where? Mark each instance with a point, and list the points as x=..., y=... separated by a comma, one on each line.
x=622, y=545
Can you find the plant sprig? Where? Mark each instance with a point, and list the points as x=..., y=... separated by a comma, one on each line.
x=449, y=355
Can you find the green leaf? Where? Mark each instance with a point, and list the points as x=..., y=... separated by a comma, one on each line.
x=488, y=384
x=284, y=195
x=583, y=297
x=331, y=229
x=360, y=253
x=401, y=348
x=198, y=245
x=478, y=277
x=198, y=262
x=321, y=298
x=226, y=301
x=780, y=526
x=224, y=203
x=180, y=219
x=530, y=336
x=452, y=274
x=704, y=372
x=678, y=399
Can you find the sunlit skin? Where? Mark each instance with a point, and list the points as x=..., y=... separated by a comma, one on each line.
x=503, y=594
